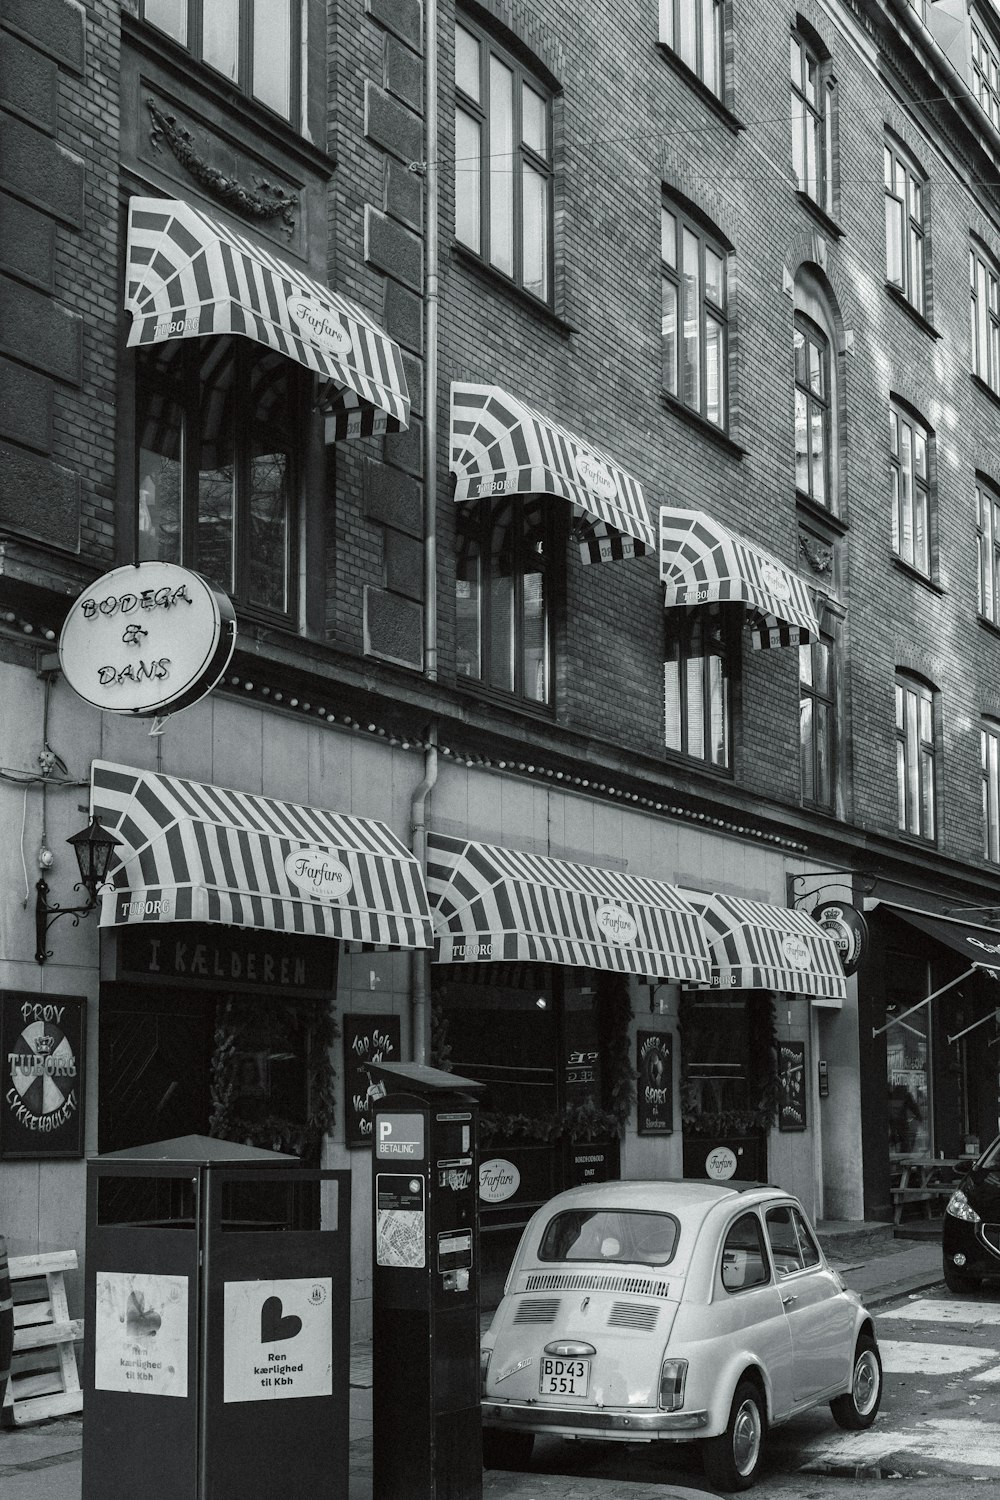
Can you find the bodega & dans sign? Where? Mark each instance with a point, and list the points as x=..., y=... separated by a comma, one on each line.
x=147, y=640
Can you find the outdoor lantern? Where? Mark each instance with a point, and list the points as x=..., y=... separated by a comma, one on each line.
x=93, y=847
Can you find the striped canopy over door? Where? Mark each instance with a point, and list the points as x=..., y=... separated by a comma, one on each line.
x=188, y=275
x=500, y=446
x=491, y=904
x=702, y=561
x=197, y=853
x=755, y=946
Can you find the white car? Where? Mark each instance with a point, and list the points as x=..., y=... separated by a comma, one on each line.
x=673, y=1311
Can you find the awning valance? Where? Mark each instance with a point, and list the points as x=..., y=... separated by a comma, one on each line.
x=189, y=275
x=501, y=446
x=197, y=853
x=503, y=905
x=977, y=945
x=702, y=561
x=755, y=946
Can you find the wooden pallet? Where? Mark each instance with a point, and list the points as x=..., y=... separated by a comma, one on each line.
x=44, y=1381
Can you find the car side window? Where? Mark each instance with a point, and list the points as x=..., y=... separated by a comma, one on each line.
x=783, y=1240
x=744, y=1260
x=807, y=1245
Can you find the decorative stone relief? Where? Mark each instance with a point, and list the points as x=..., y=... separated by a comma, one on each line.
x=818, y=556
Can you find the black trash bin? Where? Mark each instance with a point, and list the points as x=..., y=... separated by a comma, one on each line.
x=217, y=1318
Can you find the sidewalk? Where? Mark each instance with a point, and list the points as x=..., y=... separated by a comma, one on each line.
x=42, y=1462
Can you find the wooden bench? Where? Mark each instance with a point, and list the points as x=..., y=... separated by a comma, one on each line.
x=44, y=1381
x=917, y=1185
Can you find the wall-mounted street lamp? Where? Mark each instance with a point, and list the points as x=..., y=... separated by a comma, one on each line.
x=93, y=847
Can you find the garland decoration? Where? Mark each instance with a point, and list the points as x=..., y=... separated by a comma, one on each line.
x=758, y=1115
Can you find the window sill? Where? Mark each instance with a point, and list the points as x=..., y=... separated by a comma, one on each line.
x=904, y=302
x=695, y=762
x=472, y=687
x=829, y=519
x=820, y=214
x=701, y=88
x=987, y=390
x=917, y=576
x=697, y=421
x=499, y=282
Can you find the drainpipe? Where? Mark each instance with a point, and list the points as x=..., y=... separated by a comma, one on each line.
x=420, y=962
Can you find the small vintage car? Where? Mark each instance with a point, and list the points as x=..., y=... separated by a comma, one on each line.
x=673, y=1311
x=971, y=1231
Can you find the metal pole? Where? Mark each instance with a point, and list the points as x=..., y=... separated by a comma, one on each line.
x=921, y=1003
x=982, y=1019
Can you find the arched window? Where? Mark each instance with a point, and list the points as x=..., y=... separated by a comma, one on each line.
x=817, y=389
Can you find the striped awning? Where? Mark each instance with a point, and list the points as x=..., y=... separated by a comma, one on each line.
x=755, y=946
x=189, y=275
x=501, y=905
x=501, y=446
x=702, y=562
x=197, y=853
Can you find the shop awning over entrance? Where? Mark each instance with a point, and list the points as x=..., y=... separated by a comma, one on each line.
x=979, y=946
x=188, y=276
x=501, y=446
x=755, y=946
x=491, y=904
x=198, y=853
x=703, y=562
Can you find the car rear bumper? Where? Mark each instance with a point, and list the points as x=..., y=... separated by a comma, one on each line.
x=627, y=1426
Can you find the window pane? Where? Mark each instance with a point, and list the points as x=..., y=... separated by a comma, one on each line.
x=170, y=16
x=220, y=41
x=669, y=336
x=534, y=664
x=667, y=22
x=688, y=40
x=668, y=237
x=535, y=231
x=715, y=285
x=269, y=480
x=715, y=394
x=711, y=26
x=818, y=446
x=927, y=797
x=214, y=529
x=468, y=593
x=672, y=699
x=718, y=710
x=501, y=167
x=503, y=561
x=894, y=241
x=799, y=129
x=467, y=62
x=900, y=785
x=696, y=698
x=801, y=443
x=823, y=793
x=806, y=748
x=272, y=54
x=160, y=427
x=467, y=181
x=812, y=164
x=534, y=118
x=692, y=320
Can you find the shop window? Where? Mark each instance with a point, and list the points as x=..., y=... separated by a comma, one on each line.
x=814, y=98
x=503, y=595
x=818, y=722
x=694, y=30
x=910, y=481
x=813, y=426
x=985, y=69
x=989, y=757
x=904, y=225
x=988, y=551
x=699, y=656
x=915, y=769
x=984, y=282
x=503, y=161
x=254, y=45
x=694, y=328
x=908, y=1053
x=216, y=424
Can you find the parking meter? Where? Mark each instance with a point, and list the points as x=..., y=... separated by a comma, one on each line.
x=426, y=1421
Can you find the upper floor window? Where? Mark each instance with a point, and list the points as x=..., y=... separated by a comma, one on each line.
x=699, y=655
x=989, y=753
x=817, y=722
x=988, y=548
x=694, y=30
x=904, y=226
x=813, y=432
x=694, y=315
x=503, y=595
x=503, y=161
x=216, y=430
x=915, y=757
x=254, y=44
x=813, y=99
x=909, y=465
x=986, y=70
x=984, y=283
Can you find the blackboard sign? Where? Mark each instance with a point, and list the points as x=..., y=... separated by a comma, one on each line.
x=791, y=1085
x=42, y=1054
x=655, y=1083
x=367, y=1039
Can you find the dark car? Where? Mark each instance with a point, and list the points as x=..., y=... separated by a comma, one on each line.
x=972, y=1225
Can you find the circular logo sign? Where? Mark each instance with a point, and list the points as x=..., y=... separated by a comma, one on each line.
x=498, y=1180
x=595, y=475
x=620, y=926
x=318, y=873
x=149, y=639
x=720, y=1163
x=319, y=324
x=796, y=951
x=775, y=581
x=42, y=1070
x=849, y=930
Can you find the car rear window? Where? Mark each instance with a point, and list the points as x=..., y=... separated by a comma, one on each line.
x=610, y=1234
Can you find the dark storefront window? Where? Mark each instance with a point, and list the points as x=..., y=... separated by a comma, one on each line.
x=908, y=1054
x=727, y=1079
x=253, y=45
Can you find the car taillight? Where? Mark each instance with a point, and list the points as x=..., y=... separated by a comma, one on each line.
x=959, y=1207
x=673, y=1374
x=484, y=1365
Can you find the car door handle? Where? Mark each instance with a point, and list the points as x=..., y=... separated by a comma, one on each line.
x=787, y=1301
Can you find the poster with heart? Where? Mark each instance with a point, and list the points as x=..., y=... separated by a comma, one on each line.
x=278, y=1339
x=141, y=1334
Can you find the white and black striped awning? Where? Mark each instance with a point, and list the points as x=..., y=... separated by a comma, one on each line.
x=500, y=446
x=189, y=275
x=755, y=946
x=197, y=853
x=502, y=905
x=703, y=562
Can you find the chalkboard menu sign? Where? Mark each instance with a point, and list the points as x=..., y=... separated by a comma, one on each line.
x=367, y=1039
x=791, y=1085
x=41, y=1049
x=655, y=1080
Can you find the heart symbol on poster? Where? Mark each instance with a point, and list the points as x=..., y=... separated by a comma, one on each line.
x=140, y=1321
x=273, y=1326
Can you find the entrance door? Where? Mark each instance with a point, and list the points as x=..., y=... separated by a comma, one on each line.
x=724, y=1046
x=154, y=1052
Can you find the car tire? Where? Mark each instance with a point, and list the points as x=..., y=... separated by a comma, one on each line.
x=858, y=1408
x=956, y=1282
x=732, y=1460
x=506, y=1450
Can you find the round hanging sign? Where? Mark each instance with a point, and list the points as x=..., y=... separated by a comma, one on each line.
x=149, y=639
x=720, y=1164
x=498, y=1180
x=849, y=930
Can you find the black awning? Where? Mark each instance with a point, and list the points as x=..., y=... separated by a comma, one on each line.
x=977, y=945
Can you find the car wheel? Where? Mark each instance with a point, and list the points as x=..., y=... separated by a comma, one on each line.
x=732, y=1460
x=955, y=1282
x=506, y=1450
x=857, y=1409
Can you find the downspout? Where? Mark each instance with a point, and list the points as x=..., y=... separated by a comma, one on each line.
x=420, y=964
